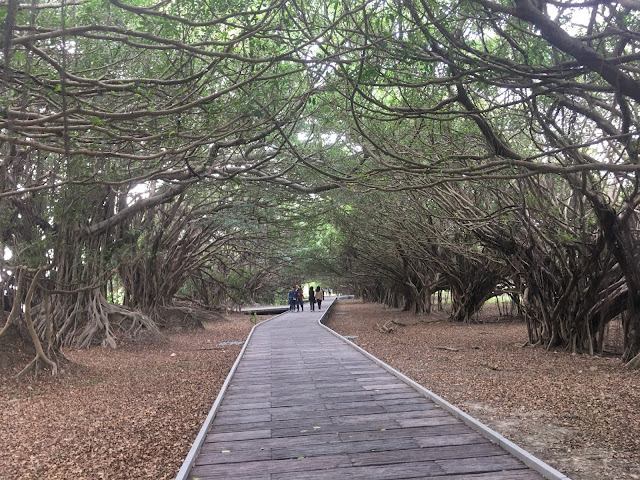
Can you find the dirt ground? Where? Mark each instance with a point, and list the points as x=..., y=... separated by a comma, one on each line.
x=127, y=413
x=578, y=413
x=135, y=411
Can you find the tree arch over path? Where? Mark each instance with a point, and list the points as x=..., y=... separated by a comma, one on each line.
x=137, y=136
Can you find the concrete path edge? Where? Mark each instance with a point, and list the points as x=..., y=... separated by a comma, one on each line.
x=547, y=471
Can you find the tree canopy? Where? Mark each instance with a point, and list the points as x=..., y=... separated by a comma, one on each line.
x=153, y=154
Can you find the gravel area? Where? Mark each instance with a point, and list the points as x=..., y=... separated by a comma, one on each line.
x=578, y=413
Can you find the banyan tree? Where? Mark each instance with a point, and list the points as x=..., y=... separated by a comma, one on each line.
x=141, y=144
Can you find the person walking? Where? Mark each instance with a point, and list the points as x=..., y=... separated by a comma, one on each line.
x=300, y=298
x=312, y=298
x=319, y=296
x=292, y=299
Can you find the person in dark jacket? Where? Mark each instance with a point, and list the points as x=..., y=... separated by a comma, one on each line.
x=300, y=298
x=312, y=298
x=292, y=299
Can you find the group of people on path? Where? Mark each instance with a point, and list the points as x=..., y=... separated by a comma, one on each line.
x=296, y=298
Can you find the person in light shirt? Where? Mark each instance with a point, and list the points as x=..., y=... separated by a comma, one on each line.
x=319, y=296
x=312, y=298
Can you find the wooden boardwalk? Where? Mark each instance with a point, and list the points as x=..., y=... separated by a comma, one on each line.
x=266, y=310
x=303, y=404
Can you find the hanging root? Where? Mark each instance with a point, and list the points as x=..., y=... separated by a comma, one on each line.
x=388, y=327
x=15, y=309
x=34, y=365
x=182, y=316
x=31, y=365
x=40, y=355
x=634, y=363
x=106, y=324
x=130, y=322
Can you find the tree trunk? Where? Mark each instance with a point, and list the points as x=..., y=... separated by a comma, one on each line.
x=620, y=240
x=471, y=286
x=81, y=314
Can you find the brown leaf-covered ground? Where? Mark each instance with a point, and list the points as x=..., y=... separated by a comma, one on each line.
x=578, y=413
x=132, y=413
x=129, y=413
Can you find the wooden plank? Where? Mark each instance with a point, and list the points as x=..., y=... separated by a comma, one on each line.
x=342, y=412
x=248, y=397
x=453, y=428
x=264, y=476
x=382, y=377
x=336, y=448
x=272, y=442
x=292, y=400
x=428, y=421
x=409, y=407
x=333, y=428
x=204, y=470
x=451, y=440
x=527, y=474
x=388, y=386
x=437, y=454
x=235, y=417
x=209, y=456
x=480, y=464
x=383, y=472
x=412, y=470
x=397, y=395
x=216, y=436
x=382, y=417
x=296, y=424
x=313, y=407
x=230, y=406
x=363, y=402
x=319, y=397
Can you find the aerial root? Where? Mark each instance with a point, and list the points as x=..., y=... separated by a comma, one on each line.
x=388, y=327
x=634, y=363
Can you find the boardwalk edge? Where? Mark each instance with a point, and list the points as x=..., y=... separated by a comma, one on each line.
x=547, y=471
x=183, y=473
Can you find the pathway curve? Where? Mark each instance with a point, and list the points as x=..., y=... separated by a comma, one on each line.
x=303, y=404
